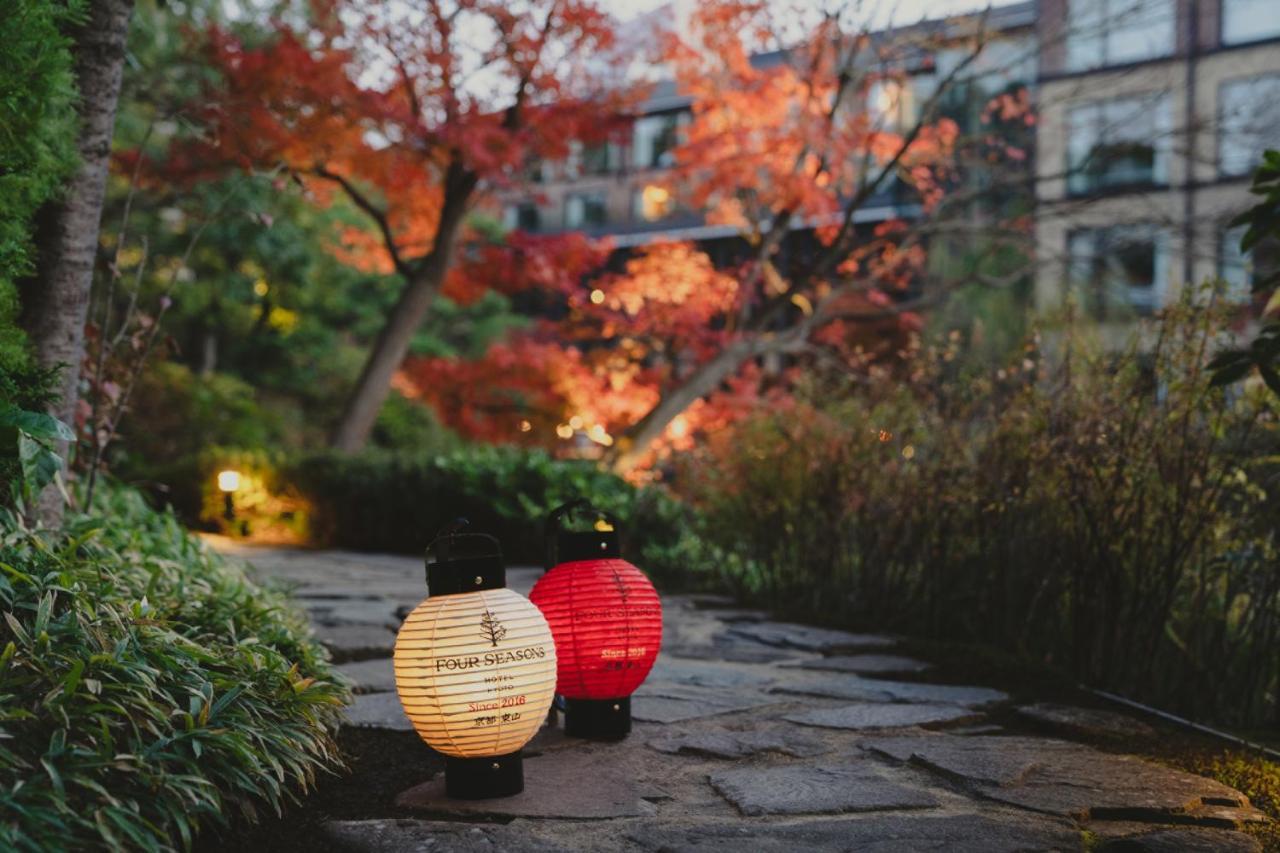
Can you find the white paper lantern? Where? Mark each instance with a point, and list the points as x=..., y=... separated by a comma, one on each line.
x=475, y=669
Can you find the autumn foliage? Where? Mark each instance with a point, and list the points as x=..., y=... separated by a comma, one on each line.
x=662, y=343
x=790, y=135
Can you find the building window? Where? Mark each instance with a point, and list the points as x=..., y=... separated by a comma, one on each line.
x=653, y=203
x=595, y=159
x=584, y=211
x=1239, y=269
x=1249, y=20
x=522, y=217
x=654, y=140
x=1119, y=269
x=599, y=159
x=1114, y=32
x=1248, y=122
x=1118, y=143
x=892, y=105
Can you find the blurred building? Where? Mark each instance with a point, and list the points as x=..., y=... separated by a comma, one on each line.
x=1152, y=115
x=616, y=190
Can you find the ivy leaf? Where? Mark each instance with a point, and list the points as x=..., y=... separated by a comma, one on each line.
x=39, y=463
x=35, y=424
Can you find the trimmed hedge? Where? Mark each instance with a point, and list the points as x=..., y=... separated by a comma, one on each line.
x=395, y=501
x=147, y=688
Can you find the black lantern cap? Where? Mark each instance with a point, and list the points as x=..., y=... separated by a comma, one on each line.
x=564, y=546
x=464, y=562
x=484, y=778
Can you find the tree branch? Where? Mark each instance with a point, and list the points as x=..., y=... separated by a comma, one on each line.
x=375, y=213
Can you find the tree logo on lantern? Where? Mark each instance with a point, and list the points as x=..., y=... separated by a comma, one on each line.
x=491, y=629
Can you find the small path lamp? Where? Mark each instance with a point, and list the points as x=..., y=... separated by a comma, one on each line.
x=606, y=618
x=228, y=483
x=475, y=667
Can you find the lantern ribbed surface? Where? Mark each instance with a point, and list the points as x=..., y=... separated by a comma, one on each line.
x=476, y=672
x=606, y=618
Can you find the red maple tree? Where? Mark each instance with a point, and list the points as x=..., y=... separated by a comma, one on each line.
x=788, y=151
x=414, y=112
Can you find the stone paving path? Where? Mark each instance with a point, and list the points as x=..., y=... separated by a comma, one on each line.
x=757, y=735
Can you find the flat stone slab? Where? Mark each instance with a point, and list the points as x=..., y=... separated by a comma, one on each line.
x=415, y=836
x=1061, y=778
x=889, y=833
x=378, y=613
x=708, y=673
x=880, y=715
x=797, y=789
x=651, y=708
x=952, y=694
x=1183, y=841
x=1086, y=721
x=378, y=711
x=807, y=638
x=847, y=686
x=864, y=664
x=740, y=744
x=376, y=675
x=356, y=642
x=577, y=785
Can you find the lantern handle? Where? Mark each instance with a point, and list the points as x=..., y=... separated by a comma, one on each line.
x=561, y=543
x=450, y=535
x=567, y=509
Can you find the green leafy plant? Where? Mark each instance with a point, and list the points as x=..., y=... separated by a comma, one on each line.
x=397, y=501
x=1110, y=513
x=29, y=438
x=147, y=688
x=1262, y=222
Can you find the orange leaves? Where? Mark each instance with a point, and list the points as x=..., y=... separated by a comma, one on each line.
x=669, y=291
x=798, y=131
x=406, y=108
x=521, y=391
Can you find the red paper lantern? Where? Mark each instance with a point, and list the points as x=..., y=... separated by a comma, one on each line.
x=606, y=619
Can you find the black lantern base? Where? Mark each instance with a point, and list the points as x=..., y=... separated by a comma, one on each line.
x=484, y=778
x=598, y=719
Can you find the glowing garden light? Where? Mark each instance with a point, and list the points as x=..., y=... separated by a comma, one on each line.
x=606, y=618
x=228, y=484
x=475, y=668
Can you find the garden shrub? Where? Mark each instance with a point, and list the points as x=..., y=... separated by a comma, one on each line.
x=1106, y=512
x=385, y=501
x=37, y=131
x=37, y=150
x=147, y=689
x=175, y=416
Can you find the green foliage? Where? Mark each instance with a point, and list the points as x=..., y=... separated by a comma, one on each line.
x=1251, y=774
x=1108, y=514
x=381, y=501
x=403, y=424
x=37, y=134
x=37, y=150
x=147, y=689
x=24, y=388
x=176, y=417
x=1263, y=223
x=28, y=442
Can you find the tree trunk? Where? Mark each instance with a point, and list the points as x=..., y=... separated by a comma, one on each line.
x=406, y=317
x=56, y=301
x=704, y=380
x=384, y=359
